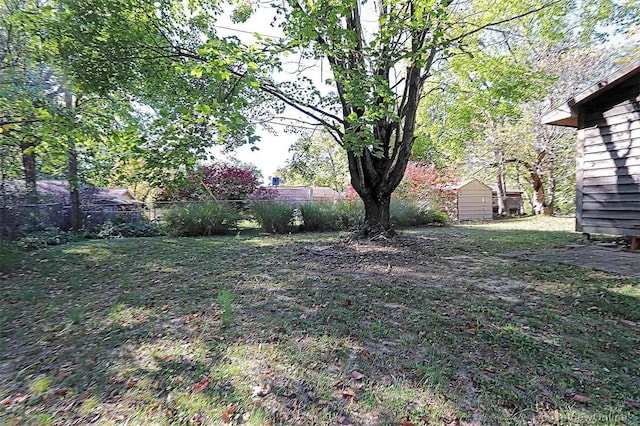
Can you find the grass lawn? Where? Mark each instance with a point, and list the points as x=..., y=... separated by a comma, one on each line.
x=432, y=328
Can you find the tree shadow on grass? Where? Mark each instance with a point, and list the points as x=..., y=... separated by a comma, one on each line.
x=322, y=332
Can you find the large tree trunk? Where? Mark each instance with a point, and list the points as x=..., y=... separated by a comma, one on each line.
x=500, y=182
x=375, y=194
x=378, y=151
x=27, y=148
x=551, y=184
x=551, y=189
x=539, y=197
x=72, y=170
x=377, y=217
x=539, y=204
x=74, y=186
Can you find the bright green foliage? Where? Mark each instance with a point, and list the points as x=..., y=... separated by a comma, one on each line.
x=225, y=298
x=202, y=88
x=484, y=93
x=45, y=117
x=317, y=160
x=140, y=47
x=27, y=85
x=485, y=116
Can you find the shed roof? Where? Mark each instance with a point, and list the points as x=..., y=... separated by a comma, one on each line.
x=510, y=191
x=464, y=183
x=567, y=113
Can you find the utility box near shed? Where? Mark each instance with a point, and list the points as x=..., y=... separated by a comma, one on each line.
x=474, y=201
x=607, y=116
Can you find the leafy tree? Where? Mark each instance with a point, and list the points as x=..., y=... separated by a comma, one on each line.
x=317, y=160
x=214, y=182
x=486, y=98
x=54, y=128
x=380, y=55
x=427, y=186
x=138, y=47
x=27, y=86
x=488, y=119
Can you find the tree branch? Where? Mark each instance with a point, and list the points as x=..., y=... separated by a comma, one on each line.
x=502, y=21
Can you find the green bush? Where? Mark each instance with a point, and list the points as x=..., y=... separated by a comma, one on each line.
x=351, y=214
x=273, y=216
x=433, y=217
x=142, y=228
x=201, y=219
x=10, y=256
x=406, y=214
x=47, y=237
x=320, y=217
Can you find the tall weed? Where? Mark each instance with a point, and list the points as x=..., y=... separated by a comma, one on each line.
x=406, y=214
x=273, y=216
x=225, y=299
x=320, y=217
x=351, y=214
x=201, y=220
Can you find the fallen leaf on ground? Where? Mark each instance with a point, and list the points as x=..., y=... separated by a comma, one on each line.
x=196, y=419
x=348, y=393
x=115, y=379
x=199, y=387
x=261, y=390
x=345, y=421
x=357, y=375
x=59, y=392
x=226, y=416
x=18, y=398
x=581, y=399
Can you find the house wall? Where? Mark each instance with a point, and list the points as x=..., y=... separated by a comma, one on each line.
x=475, y=202
x=608, y=162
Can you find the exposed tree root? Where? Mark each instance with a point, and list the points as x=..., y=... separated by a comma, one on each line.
x=374, y=233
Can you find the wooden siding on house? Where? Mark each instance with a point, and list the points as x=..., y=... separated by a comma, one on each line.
x=607, y=116
x=299, y=194
x=608, y=162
